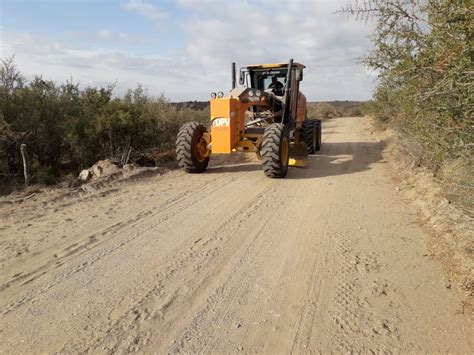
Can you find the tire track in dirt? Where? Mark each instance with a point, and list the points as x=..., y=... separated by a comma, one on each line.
x=312, y=298
x=115, y=335
x=327, y=260
x=118, y=229
x=229, y=293
x=356, y=319
x=351, y=318
x=96, y=238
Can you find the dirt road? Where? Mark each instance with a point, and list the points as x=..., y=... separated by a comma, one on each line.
x=328, y=259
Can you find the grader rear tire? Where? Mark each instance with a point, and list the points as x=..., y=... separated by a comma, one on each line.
x=191, y=148
x=320, y=135
x=311, y=135
x=275, y=150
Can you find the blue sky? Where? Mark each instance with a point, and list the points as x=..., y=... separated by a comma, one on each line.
x=183, y=48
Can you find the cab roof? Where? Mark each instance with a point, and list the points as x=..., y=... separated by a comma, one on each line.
x=274, y=66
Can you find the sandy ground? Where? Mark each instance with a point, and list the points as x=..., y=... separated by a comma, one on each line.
x=329, y=259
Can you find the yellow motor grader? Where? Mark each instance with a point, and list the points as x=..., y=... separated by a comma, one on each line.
x=265, y=114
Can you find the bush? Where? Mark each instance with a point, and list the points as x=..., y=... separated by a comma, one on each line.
x=423, y=55
x=332, y=109
x=67, y=128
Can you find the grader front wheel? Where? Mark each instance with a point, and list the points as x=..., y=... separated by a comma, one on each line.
x=275, y=150
x=191, y=148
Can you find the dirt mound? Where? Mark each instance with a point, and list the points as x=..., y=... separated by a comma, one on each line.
x=103, y=168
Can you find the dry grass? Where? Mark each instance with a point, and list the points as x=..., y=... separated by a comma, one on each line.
x=458, y=179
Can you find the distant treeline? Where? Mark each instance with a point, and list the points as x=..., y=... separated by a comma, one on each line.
x=331, y=109
x=318, y=109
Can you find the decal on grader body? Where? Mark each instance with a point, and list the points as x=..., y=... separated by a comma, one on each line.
x=220, y=122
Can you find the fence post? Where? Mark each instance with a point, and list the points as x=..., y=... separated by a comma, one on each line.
x=25, y=168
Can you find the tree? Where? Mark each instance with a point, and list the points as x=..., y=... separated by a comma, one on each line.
x=423, y=56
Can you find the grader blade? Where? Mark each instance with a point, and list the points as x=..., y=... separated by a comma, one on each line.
x=298, y=155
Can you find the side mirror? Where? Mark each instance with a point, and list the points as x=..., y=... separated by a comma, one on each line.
x=242, y=78
x=299, y=75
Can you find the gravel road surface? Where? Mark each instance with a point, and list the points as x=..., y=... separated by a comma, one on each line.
x=329, y=259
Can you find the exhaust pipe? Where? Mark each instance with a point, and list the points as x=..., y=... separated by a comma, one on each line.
x=234, y=74
x=286, y=112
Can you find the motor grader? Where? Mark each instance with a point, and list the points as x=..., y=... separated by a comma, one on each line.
x=265, y=114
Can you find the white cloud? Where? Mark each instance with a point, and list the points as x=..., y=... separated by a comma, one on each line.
x=109, y=36
x=268, y=31
x=215, y=34
x=146, y=9
x=105, y=34
x=60, y=61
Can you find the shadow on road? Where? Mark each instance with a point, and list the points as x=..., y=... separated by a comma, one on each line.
x=339, y=159
x=234, y=168
x=333, y=159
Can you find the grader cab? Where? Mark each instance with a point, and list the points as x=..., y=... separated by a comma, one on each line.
x=265, y=114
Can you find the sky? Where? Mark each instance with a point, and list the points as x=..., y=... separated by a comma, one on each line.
x=184, y=48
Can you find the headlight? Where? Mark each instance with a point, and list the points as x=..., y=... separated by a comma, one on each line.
x=250, y=93
x=258, y=93
x=213, y=95
x=220, y=94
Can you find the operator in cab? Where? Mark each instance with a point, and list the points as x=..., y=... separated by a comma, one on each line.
x=276, y=86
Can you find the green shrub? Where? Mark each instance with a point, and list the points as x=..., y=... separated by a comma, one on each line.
x=423, y=56
x=67, y=128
